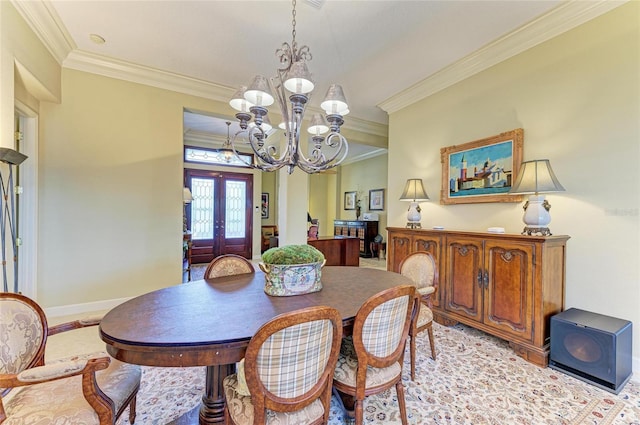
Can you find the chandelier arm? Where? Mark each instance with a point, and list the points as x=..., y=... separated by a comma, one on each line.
x=320, y=159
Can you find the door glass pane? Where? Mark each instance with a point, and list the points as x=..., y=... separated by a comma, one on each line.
x=202, y=208
x=235, y=212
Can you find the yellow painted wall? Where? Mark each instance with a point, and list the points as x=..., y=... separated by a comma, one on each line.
x=110, y=179
x=577, y=97
x=361, y=177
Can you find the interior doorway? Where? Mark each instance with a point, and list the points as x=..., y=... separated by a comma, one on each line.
x=220, y=216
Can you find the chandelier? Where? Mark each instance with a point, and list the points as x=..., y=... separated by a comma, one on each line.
x=292, y=87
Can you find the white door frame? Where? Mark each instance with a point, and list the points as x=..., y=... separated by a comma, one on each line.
x=28, y=201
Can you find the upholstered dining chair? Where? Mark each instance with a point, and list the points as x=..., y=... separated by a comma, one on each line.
x=84, y=389
x=288, y=370
x=421, y=268
x=371, y=359
x=227, y=265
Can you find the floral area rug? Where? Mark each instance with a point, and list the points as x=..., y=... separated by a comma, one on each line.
x=476, y=380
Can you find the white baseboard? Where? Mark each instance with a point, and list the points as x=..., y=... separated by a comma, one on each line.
x=67, y=310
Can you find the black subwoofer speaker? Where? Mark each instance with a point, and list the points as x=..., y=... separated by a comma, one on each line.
x=592, y=347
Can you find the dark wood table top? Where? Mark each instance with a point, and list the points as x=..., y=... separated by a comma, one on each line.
x=210, y=322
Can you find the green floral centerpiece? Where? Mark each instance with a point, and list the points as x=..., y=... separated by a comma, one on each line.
x=292, y=270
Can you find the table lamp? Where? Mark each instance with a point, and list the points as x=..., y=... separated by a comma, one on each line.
x=414, y=193
x=536, y=177
x=186, y=199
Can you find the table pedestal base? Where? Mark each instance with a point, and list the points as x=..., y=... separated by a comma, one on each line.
x=211, y=410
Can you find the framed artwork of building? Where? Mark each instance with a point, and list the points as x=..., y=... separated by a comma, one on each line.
x=482, y=170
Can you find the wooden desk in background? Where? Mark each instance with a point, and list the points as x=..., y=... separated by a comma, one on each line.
x=338, y=251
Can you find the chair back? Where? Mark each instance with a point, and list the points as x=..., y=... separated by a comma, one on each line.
x=228, y=265
x=421, y=268
x=289, y=362
x=381, y=327
x=23, y=333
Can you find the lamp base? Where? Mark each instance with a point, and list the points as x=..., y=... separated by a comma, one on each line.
x=413, y=225
x=536, y=231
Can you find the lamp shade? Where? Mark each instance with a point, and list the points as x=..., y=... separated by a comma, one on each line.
x=414, y=191
x=536, y=177
x=186, y=195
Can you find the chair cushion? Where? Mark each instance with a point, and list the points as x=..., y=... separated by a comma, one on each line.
x=21, y=335
x=241, y=408
x=62, y=402
x=425, y=316
x=345, y=372
x=420, y=269
x=242, y=387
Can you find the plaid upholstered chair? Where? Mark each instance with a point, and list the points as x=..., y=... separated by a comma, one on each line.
x=227, y=265
x=421, y=268
x=371, y=360
x=288, y=371
x=87, y=389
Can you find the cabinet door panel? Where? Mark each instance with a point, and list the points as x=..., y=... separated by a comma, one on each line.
x=399, y=246
x=430, y=245
x=463, y=291
x=509, y=287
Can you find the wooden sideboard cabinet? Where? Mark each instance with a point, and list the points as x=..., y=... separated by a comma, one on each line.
x=363, y=230
x=503, y=284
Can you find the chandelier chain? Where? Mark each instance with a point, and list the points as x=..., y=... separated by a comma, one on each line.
x=293, y=21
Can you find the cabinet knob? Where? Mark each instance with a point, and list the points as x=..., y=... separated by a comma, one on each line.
x=479, y=278
x=486, y=279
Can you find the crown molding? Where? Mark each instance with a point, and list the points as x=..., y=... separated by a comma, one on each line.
x=367, y=155
x=551, y=24
x=45, y=22
x=128, y=71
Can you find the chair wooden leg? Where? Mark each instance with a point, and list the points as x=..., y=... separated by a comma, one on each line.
x=412, y=350
x=401, y=403
x=359, y=413
x=431, y=341
x=132, y=410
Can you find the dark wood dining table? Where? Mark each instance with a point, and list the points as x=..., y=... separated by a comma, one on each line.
x=210, y=322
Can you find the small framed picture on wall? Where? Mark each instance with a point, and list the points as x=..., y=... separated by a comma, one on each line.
x=350, y=200
x=376, y=200
x=264, y=206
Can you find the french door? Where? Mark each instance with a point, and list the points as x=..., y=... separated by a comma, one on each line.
x=219, y=217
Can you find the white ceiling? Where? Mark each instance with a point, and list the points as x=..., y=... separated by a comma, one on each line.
x=374, y=49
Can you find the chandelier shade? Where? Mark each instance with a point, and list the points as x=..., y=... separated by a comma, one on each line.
x=238, y=102
x=259, y=92
x=291, y=89
x=299, y=79
x=335, y=102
